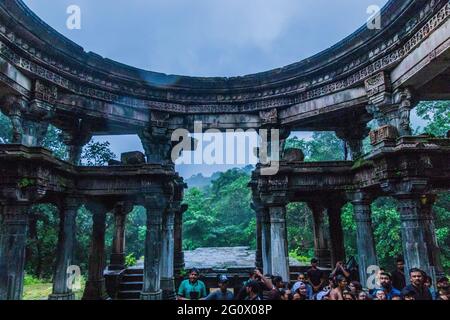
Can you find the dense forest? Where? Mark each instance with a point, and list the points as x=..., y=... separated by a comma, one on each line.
x=219, y=214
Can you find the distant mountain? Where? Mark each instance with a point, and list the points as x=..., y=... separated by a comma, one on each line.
x=200, y=181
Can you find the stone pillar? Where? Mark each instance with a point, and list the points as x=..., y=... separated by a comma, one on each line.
x=321, y=237
x=167, y=255
x=434, y=252
x=279, y=249
x=117, y=259
x=353, y=137
x=29, y=123
x=258, y=255
x=65, y=249
x=266, y=243
x=178, y=240
x=75, y=139
x=156, y=139
x=365, y=240
x=389, y=109
x=155, y=207
x=95, y=286
x=413, y=227
x=12, y=250
x=336, y=234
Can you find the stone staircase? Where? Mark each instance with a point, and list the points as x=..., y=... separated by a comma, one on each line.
x=131, y=285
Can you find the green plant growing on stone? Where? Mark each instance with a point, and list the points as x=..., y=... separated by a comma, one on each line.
x=130, y=260
x=25, y=182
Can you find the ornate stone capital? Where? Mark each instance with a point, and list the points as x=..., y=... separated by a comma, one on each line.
x=406, y=187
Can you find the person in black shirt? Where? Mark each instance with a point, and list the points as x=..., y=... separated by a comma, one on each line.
x=398, y=275
x=421, y=292
x=315, y=276
x=340, y=270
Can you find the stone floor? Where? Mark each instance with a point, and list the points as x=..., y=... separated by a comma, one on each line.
x=222, y=258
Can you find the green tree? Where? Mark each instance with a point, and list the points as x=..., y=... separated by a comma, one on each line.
x=437, y=114
x=97, y=153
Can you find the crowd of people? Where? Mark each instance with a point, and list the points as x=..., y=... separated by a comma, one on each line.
x=315, y=284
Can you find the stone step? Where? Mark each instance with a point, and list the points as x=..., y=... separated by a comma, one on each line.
x=129, y=295
x=127, y=286
x=134, y=270
x=133, y=278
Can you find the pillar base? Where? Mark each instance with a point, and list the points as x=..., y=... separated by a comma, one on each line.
x=324, y=257
x=151, y=295
x=95, y=290
x=168, y=288
x=117, y=261
x=62, y=296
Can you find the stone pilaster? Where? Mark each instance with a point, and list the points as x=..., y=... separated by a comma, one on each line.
x=95, y=286
x=76, y=138
x=321, y=235
x=29, y=120
x=155, y=206
x=278, y=235
x=178, y=240
x=156, y=139
x=259, y=212
x=365, y=240
x=434, y=252
x=387, y=107
x=415, y=250
x=12, y=250
x=336, y=233
x=65, y=249
x=117, y=259
x=266, y=243
x=353, y=136
x=167, y=256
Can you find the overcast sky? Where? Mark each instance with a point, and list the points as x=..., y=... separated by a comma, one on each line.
x=205, y=37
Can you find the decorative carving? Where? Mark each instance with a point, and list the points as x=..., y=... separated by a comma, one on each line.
x=383, y=133
x=303, y=90
x=45, y=92
x=269, y=117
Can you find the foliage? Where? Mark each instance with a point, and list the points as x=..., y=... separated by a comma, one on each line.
x=437, y=115
x=220, y=215
x=97, y=153
x=130, y=260
x=5, y=129
x=301, y=259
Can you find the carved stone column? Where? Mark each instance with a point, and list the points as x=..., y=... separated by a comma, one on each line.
x=76, y=138
x=65, y=249
x=336, y=233
x=156, y=139
x=414, y=230
x=278, y=235
x=321, y=235
x=387, y=107
x=155, y=206
x=95, y=286
x=266, y=243
x=365, y=240
x=167, y=256
x=258, y=255
x=353, y=137
x=29, y=120
x=117, y=259
x=178, y=240
x=434, y=252
x=12, y=250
